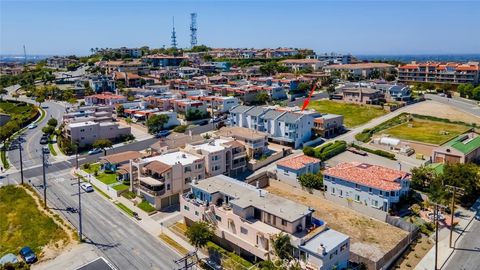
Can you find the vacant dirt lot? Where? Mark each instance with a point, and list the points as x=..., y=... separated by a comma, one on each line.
x=440, y=110
x=368, y=237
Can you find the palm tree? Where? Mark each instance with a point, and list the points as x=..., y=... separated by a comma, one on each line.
x=282, y=246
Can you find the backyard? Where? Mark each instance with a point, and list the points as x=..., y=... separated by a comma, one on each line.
x=22, y=223
x=426, y=131
x=369, y=237
x=354, y=115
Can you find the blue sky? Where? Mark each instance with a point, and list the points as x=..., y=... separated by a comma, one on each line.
x=358, y=27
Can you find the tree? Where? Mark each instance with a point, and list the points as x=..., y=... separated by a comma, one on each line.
x=156, y=122
x=422, y=177
x=465, y=176
x=120, y=110
x=303, y=87
x=52, y=122
x=103, y=144
x=311, y=181
x=262, y=97
x=199, y=233
x=476, y=93
x=48, y=130
x=331, y=89
x=129, y=121
x=282, y=246
x=40, y=100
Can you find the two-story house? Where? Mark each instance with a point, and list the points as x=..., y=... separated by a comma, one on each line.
x=372, y=185
x=161, y=179
x=247, y=218
x=290, y=169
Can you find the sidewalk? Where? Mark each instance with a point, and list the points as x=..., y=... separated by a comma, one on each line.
x=464, y=218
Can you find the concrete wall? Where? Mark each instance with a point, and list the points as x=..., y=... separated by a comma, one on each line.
x=259, y=164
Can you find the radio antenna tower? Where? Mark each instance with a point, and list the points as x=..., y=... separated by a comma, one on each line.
x=24, y=56
x=193, y=29
x=174, y=36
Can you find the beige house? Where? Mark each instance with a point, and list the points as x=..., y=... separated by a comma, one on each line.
x=362, y=95
x=222, y=156
x=161, y=179
x=255, y=141
x=247, y=218
x=86, y=133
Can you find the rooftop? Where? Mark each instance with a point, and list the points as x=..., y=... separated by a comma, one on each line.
x=368, y=175
x=212, y=146
x=329, y=238
x=298, y=162
x=122, y=157
x=241, y=132
x=360, y=66
x=465, y=143
x=173, y=158
x=244, y=195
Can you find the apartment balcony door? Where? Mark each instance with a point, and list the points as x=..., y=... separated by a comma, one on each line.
x=257, y=214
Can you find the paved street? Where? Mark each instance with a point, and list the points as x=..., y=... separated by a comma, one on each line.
x=466, y=106
x=115, y=236
x=467, y=253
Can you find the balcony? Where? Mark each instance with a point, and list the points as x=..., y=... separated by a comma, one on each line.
x=151, y=186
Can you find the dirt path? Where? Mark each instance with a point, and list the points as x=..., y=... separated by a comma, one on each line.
x=437, y=109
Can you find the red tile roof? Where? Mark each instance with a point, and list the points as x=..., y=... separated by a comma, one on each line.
x=298, y=162
x=368, y=175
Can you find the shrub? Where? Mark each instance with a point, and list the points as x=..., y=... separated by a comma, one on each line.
x=309, y=151
x=86, y=166
x=181, y=128
x=330, y=150
x=311, y=180
x=377, y=152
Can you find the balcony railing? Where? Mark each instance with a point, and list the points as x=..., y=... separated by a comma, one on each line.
x=152, y=192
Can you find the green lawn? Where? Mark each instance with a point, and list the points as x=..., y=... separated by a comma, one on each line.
x=125, y=209
x=50, y=146
x=120, y=187
x=145, y=206
x=426, y=131
x=354, y=115
x=23, y=224
x=106, y=177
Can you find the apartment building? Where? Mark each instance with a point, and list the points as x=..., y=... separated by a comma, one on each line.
x=222, y=156
x=134, y=67
x=246, y=219
x=360, y=70
x=86, y=133
x=435, y=72
x=301, y=64
x=188, y=106
x=105, y=98
x=163, y=60
x=333, y=58
x=60, y=62
x=221, y=104
x=89, y=113
x=128, y=79
x=162, y=179
x=255, y=142
x=101, y=84
x=131, y=52
x=372, y=185
x=463, y=149
x=290, y=169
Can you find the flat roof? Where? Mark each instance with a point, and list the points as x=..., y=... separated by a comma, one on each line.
x=329, y=238
x=245, y=195
x=82, y=124
x=174, y=157
x=98, y=264
x=212, y=146
x=241, y=132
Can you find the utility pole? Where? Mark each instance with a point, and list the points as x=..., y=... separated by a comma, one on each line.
x=435, y=220
x=44, y=164
x=460, y=191
x=80, y=231
x=21, y=160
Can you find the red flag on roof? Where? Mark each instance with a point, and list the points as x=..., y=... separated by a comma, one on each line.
x=305, y=103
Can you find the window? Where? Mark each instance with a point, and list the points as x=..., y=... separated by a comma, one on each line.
x=186, y=208
x=375, y=203
x=392, y=193
x=357, y=197
x=188, y=180
x=341, y=193
x=284, y=222
x=243, y=230
x=168, y=186
x=218, y=218
x=196, y=213
x=333, y=190
x=370, y=189
x=188, y=169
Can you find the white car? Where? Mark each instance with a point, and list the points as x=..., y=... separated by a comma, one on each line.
x=87, y=187
x=32, y=126
x=44, y=106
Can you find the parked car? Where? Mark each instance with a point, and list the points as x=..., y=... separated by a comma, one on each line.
x=8, y=258
x=44, y=106
x=94, y=151
x=163, y=133
x=44, y=140
x=28, y=255
x=87, y=187
x=32, y=126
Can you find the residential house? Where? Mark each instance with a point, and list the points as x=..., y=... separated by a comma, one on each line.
x=255, y=142
x=161, y=179
x=163, y=60
x=222, y=156
x=291, y=168
x=89, y=113
x=368, y=184
x=246, y=219
x=105, y=98
x=119, y=163
x=463, y=149
x=360, y=70
x=127, y=78
x=328, y=125
x=101, y=84
x=362, y=95
x=60, y=62
x=134, y=67
x=301, y=64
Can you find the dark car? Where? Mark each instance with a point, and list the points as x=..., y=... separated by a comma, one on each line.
x=28, y=255
x=163, y=133
x=44, y=140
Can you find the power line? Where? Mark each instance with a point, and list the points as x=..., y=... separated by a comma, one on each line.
x=193, y=29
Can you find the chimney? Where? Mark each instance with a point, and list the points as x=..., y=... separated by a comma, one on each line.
x=322, y=249
x=257, y=184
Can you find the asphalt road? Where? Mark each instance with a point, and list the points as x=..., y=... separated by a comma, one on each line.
x=467, y=106
x=467, y=253
x=116, y=236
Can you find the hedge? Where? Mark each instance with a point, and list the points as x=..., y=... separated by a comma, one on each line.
x=377, y=152
x=326, y=151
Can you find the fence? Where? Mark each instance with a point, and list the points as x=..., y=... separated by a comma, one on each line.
x=359, y=207
x=260, y=163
